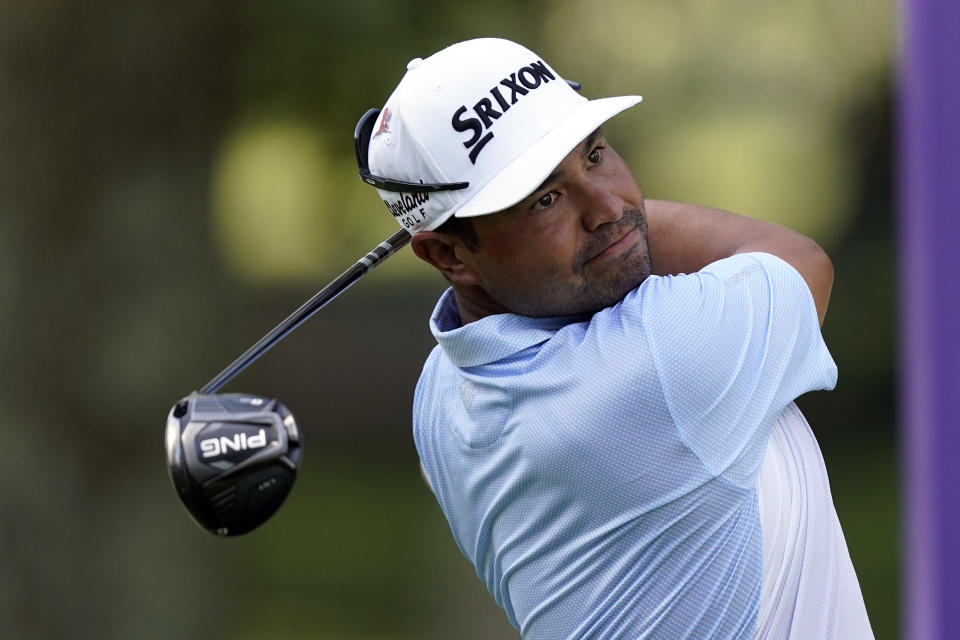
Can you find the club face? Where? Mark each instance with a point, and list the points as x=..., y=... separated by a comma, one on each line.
x=232, y=458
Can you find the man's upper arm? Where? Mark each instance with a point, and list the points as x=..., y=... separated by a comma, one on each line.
x=685, y=238
x=814, y=266
x=734, y=344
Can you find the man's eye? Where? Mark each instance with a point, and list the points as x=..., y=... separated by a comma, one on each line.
x=595, y=155
x=544, y=201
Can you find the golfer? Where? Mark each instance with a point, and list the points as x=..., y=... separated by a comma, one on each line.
x=607, y=421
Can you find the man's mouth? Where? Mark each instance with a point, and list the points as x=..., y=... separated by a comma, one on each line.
x=618, y=247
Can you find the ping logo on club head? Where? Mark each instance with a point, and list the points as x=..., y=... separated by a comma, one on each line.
x=231, y=446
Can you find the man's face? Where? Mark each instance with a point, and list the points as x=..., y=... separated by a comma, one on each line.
x=576, y=245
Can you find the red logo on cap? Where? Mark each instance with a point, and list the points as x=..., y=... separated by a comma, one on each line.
x=384, y=122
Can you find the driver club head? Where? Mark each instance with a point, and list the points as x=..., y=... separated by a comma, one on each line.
x=232, y=458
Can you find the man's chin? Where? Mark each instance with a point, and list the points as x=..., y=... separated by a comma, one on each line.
x=622, y=292
x=591, y=294
x=602, y=297
x=629, y=275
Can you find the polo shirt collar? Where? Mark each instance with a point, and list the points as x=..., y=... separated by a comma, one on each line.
x=491, y=338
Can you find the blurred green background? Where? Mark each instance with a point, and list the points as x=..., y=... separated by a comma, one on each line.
x=176, y=177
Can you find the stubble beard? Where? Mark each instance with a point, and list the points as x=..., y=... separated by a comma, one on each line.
x=597, y=285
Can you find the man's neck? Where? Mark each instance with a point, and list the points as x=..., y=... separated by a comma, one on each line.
x=475, y=304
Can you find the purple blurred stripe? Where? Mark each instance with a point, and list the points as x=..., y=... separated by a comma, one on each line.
x=929, y=225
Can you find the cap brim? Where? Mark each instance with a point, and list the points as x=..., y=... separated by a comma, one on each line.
x=528, y=171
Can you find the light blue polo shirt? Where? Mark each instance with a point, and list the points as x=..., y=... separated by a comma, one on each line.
x=600, y=473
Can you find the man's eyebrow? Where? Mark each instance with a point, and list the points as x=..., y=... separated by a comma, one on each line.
x=588, y=143
x=583, y=148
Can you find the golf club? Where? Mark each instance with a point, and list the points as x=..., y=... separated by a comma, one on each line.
x=233, y=457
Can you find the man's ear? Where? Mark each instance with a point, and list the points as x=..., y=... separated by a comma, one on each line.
x=446, y=253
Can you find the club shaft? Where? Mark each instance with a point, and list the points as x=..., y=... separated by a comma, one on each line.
x=363, y=266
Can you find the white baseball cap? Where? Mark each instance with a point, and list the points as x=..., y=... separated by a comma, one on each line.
x=472, y=130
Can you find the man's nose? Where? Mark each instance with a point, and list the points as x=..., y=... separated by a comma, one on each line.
x=598, y=204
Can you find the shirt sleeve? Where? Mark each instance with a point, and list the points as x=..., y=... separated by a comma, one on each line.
x=733, y=345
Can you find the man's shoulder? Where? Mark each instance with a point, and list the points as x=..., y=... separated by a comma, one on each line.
x=728, y=271
x=664, y=300
x=435, y=360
